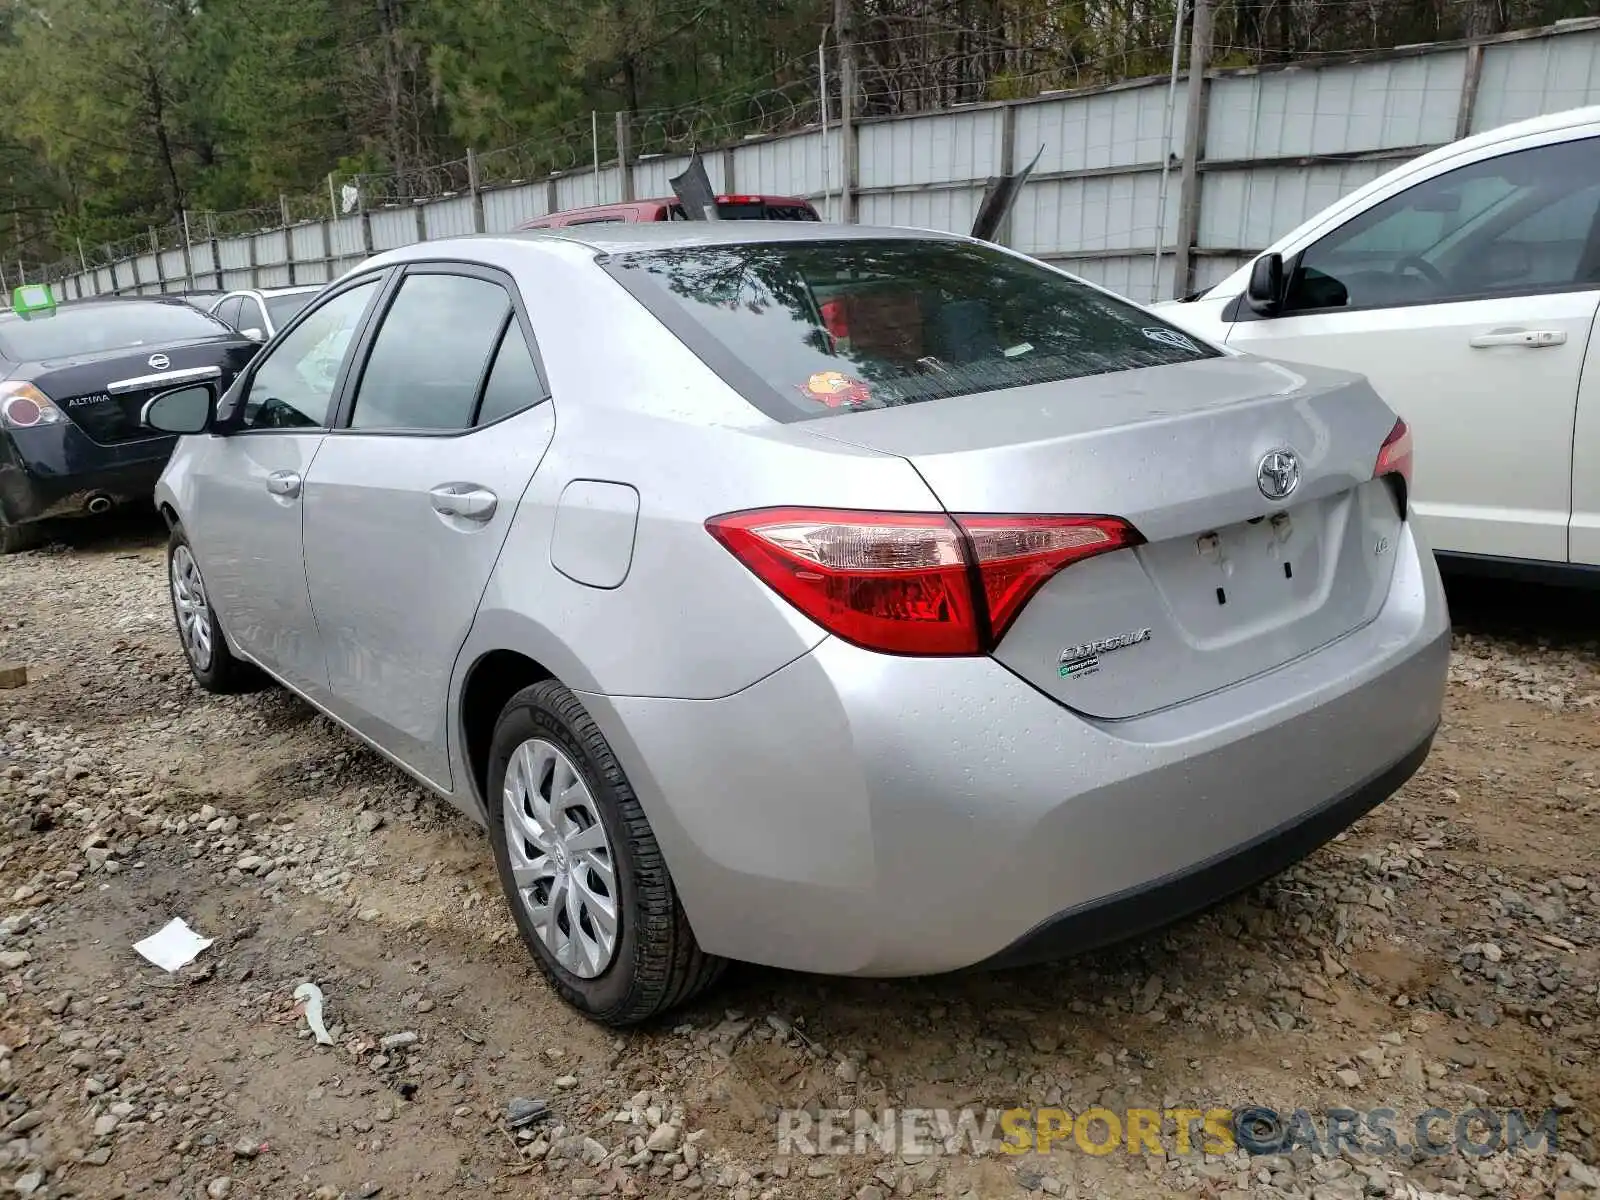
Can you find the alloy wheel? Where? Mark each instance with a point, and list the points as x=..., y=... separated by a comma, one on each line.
x=194, y=614
x=561, y=859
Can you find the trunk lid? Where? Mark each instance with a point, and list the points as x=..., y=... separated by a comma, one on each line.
x=1229, y=583
x=104, y=393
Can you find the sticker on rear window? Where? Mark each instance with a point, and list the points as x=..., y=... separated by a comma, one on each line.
x=837, y=390
x=1170, y=337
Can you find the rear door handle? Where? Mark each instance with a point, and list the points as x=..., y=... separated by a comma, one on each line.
x=465, y=500
x=283, y=483
x=1533, y=338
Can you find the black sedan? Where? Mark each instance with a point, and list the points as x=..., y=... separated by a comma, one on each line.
x=74, y=378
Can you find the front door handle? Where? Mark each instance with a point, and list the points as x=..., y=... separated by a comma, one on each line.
x=465, y=500
x=283, y=483
x=1533, y=338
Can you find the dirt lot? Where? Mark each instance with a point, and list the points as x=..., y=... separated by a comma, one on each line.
x=1443, y=954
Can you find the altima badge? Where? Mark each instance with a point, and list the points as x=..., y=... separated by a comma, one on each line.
x=1084, y=658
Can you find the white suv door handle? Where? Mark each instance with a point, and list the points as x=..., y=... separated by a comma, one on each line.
x=283, y=483
x=1533, y=338
x=464, y=500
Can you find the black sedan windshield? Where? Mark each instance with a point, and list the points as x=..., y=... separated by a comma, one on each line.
x=92, y=328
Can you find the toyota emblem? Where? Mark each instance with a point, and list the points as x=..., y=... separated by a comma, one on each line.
x=160, y=361
x=1278, y=474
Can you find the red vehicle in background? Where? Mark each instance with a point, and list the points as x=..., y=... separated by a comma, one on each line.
x=729, y=208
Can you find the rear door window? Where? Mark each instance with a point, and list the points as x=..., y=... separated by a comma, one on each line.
x=805, y=329
x=430, y=354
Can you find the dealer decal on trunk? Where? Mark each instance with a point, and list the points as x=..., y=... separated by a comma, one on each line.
x=1084, y=658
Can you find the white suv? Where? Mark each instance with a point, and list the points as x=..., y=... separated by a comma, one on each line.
x=1465, y=285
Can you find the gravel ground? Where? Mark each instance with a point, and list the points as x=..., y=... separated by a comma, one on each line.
x=1445, y=953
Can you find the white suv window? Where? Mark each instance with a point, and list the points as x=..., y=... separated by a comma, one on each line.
x=1522, y=222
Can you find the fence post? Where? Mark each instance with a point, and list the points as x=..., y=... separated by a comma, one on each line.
x=1193, y=149
x=216, y=252
x=625, y=154
x=327, y=251
x=1471, y=74
x=1008, y=160
x=422, y=220
x=155, y=252
x=255, y=273
x=474, y=189
x=188, y=252
x=729, y=186
x=551, y=196
x=845, y=34
x=111, y=262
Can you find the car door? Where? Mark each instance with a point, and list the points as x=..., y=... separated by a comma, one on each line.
x=1468, y=300
x=1585, y=535
x=411, y=496
x=244, y=518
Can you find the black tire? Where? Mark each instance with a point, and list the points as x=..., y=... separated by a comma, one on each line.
x=223, y=674
x=14, y=539
x=657, y=964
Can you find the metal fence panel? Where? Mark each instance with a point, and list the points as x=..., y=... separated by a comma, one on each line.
x=148, y=274
x=581, y=189
x=1126, y=274
x=949, y=209
x=1098, y=212
x=393, y=227
x=786, y=166
x=506, y=208
x=939, y=148
x=204, y=264
x=345, y=239
x=1541, y=75
x=449, y=218
x=1250, y=208
x=1117, y=128
x=1337, y=109
x=308, y=241
x=928, y=170
x=172, y=266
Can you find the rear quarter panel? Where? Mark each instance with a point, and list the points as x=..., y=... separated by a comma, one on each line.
x=635, y=407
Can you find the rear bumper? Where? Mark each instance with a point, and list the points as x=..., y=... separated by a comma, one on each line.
x=862, y=814
x=1139, y=910
x=56, y=470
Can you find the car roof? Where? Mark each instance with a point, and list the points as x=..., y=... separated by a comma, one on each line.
x=9, y=314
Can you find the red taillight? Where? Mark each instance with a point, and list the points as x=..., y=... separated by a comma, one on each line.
x=912, y=583
x=1394, y=458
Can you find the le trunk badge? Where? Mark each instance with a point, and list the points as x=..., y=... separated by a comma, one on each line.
x=1084, y=658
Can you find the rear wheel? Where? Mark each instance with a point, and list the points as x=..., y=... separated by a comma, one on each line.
x=586, y=881
x=210, y=661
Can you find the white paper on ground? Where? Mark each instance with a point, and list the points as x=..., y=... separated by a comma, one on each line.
x=174, y=946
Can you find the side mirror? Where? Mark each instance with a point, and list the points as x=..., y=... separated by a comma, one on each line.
x=183, y=410
x=1264, y=292
x=254, y=334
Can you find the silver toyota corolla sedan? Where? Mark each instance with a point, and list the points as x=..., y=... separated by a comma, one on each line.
x=859, y=601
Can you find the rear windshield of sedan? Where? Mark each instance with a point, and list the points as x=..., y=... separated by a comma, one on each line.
x=805, y=329
x=116, y=325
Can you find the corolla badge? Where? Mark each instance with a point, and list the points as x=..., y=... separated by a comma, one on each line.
x=159, y=362
x=1278, y=474
x=1084, y=658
